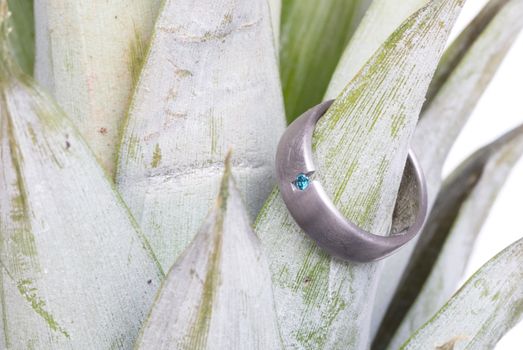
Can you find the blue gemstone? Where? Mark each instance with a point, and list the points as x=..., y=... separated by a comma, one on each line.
x=302, y=182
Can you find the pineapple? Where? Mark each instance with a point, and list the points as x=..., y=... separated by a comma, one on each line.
x=138, y=206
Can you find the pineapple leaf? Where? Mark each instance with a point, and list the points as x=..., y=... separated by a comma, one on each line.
x=88, y=55
x=480, y=48
x=218, y=294
x=275, y=6
x=455, y=54
x=361, y=145
x=482, y=311
x=23, y=35
x=445, y=244
x=381, y=19
x=458, y=93
x=313, y=36
x=64, y=286
x=215, y=76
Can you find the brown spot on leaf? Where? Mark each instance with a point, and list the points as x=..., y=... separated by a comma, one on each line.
x=103, y=131
x=451, y=343
x=67, y=143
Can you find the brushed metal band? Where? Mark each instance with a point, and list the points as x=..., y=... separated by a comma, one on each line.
x=312, y=208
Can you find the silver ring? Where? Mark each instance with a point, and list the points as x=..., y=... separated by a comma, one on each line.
x=312, y=208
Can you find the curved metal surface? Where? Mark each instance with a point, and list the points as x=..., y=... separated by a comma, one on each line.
x=315, y=213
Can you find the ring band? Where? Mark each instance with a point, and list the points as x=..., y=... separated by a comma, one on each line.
x=314, y=212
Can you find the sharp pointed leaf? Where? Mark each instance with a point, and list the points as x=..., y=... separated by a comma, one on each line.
x=218, y=295
x=23, y=35
x=361, y=146
x=381, y=19
x=75, y=270
x=313, y=36
x=452, y=105
x=480, y=48
x=88, y=55
x=445, y=244
x=482, y=311
x=460, y=47
x=215, y=74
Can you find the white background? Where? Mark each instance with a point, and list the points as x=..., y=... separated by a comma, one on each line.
x=500, y=109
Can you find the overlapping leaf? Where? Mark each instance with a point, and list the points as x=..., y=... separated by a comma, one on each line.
x=313, y=36
x=443, y=250
x=275, y=6
x=381, y=19
x=23, y=35
x=455, y=54
x=215, y=74
x=88, y=55
x=482, y=311
x=218, y=295
x=72, y=276
x=467, y=68
x=361, y=146
x=495, y=29
x=366, y=133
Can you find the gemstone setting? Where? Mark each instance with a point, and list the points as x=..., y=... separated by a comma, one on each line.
x=302, y=182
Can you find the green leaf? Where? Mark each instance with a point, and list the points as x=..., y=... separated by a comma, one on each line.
x=481, y=49
x=88, y=55
x=455, y=54
x=215, y=76
x=275, y=6
x=381, y=19
x=446, y=242
x=75, y=270
x=218, y=294
x=450, y=108
x=361, y=146
x=482, y=311
x=23, y=35
x=313, y=36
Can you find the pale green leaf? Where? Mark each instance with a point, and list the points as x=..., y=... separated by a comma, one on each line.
x=218, y=294
x=275, y=6
x=381, y=19
x=456, y=98
x=215, y=76
x=459, y=85
x=23, y=35
x=482, y=311
x=76, y=272
x=313, y=36
x=3, y=339
x=88, y=55
x=361, y=146
x=457, y=51
x=445, y=244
